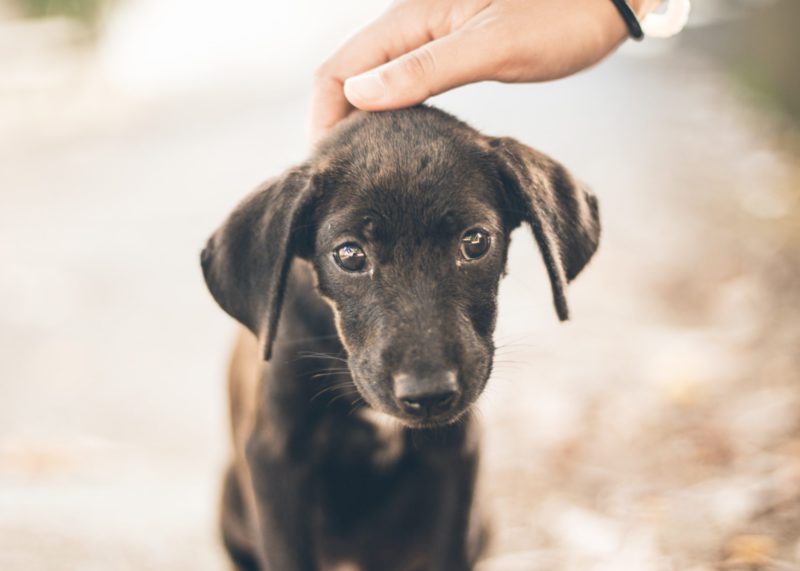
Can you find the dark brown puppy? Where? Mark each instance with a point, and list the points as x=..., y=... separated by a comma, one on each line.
x=367, y=280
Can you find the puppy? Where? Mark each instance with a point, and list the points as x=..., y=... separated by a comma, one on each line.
x=366, y=280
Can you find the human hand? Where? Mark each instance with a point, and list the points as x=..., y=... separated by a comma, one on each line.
x=420, y=48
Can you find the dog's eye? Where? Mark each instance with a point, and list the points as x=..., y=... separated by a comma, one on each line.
x=350, y=257
x=474, y=244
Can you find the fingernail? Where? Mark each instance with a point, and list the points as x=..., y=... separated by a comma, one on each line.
x=367, y=87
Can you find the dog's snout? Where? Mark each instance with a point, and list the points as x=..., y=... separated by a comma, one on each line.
x=426, y=395
x=428, y=405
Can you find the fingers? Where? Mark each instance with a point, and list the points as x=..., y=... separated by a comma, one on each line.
x=397, y=32
x=462, y=57
x=328, y=106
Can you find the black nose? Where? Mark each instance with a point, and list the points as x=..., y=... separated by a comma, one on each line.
x=427, y=395
x=429, y=405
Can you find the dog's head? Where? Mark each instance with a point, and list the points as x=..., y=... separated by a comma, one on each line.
x=406, y=218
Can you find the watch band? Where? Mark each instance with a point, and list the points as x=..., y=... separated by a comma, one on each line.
x=631, y=21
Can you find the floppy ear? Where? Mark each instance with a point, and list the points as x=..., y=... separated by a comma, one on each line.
x=562, y=213
x=246, y=261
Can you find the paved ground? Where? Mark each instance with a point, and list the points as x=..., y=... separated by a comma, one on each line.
x=658, y=430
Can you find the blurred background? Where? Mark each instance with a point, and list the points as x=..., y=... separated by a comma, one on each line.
x=658, y=430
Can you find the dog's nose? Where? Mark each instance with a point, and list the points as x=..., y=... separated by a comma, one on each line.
x=428, y=405
x=427, y=395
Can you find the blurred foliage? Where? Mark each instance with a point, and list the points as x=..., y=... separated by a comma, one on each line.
x=87, y=11
x=762, y=49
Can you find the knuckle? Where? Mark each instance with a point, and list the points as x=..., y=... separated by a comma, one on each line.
x=324, y=72
x=420, y=63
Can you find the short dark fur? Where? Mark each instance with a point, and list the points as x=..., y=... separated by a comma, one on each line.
x=315, y=483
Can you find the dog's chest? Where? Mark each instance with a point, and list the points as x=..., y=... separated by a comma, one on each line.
x=359, y=454
x=371, y=483
x=367, y=466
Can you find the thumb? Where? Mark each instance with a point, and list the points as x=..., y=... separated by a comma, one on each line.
x=436, y=67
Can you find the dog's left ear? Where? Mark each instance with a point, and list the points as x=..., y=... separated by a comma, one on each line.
x=246, y=262
x=562, y=213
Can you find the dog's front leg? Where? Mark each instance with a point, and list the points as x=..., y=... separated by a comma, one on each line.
x=451, y=550
x=280, y=489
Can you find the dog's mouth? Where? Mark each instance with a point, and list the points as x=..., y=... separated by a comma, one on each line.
x=439, y=421
x=416, y=421
x=378, y=396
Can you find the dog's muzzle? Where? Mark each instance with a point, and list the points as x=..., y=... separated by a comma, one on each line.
x=426, y=396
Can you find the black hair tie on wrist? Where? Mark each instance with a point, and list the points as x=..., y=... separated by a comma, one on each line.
x=627, y=13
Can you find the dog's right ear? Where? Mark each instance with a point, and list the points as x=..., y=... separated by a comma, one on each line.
x=247, y=260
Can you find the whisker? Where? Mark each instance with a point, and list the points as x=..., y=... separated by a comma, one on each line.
x=312, y=338
x=335, y=369
x=337, y=354
x=322, y=392
x=343, y=388
x=339, y=397
x=355, y=404
x=319, y=355
x=329, y=375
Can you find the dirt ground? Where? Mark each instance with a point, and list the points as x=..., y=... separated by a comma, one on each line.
x=658, y=430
